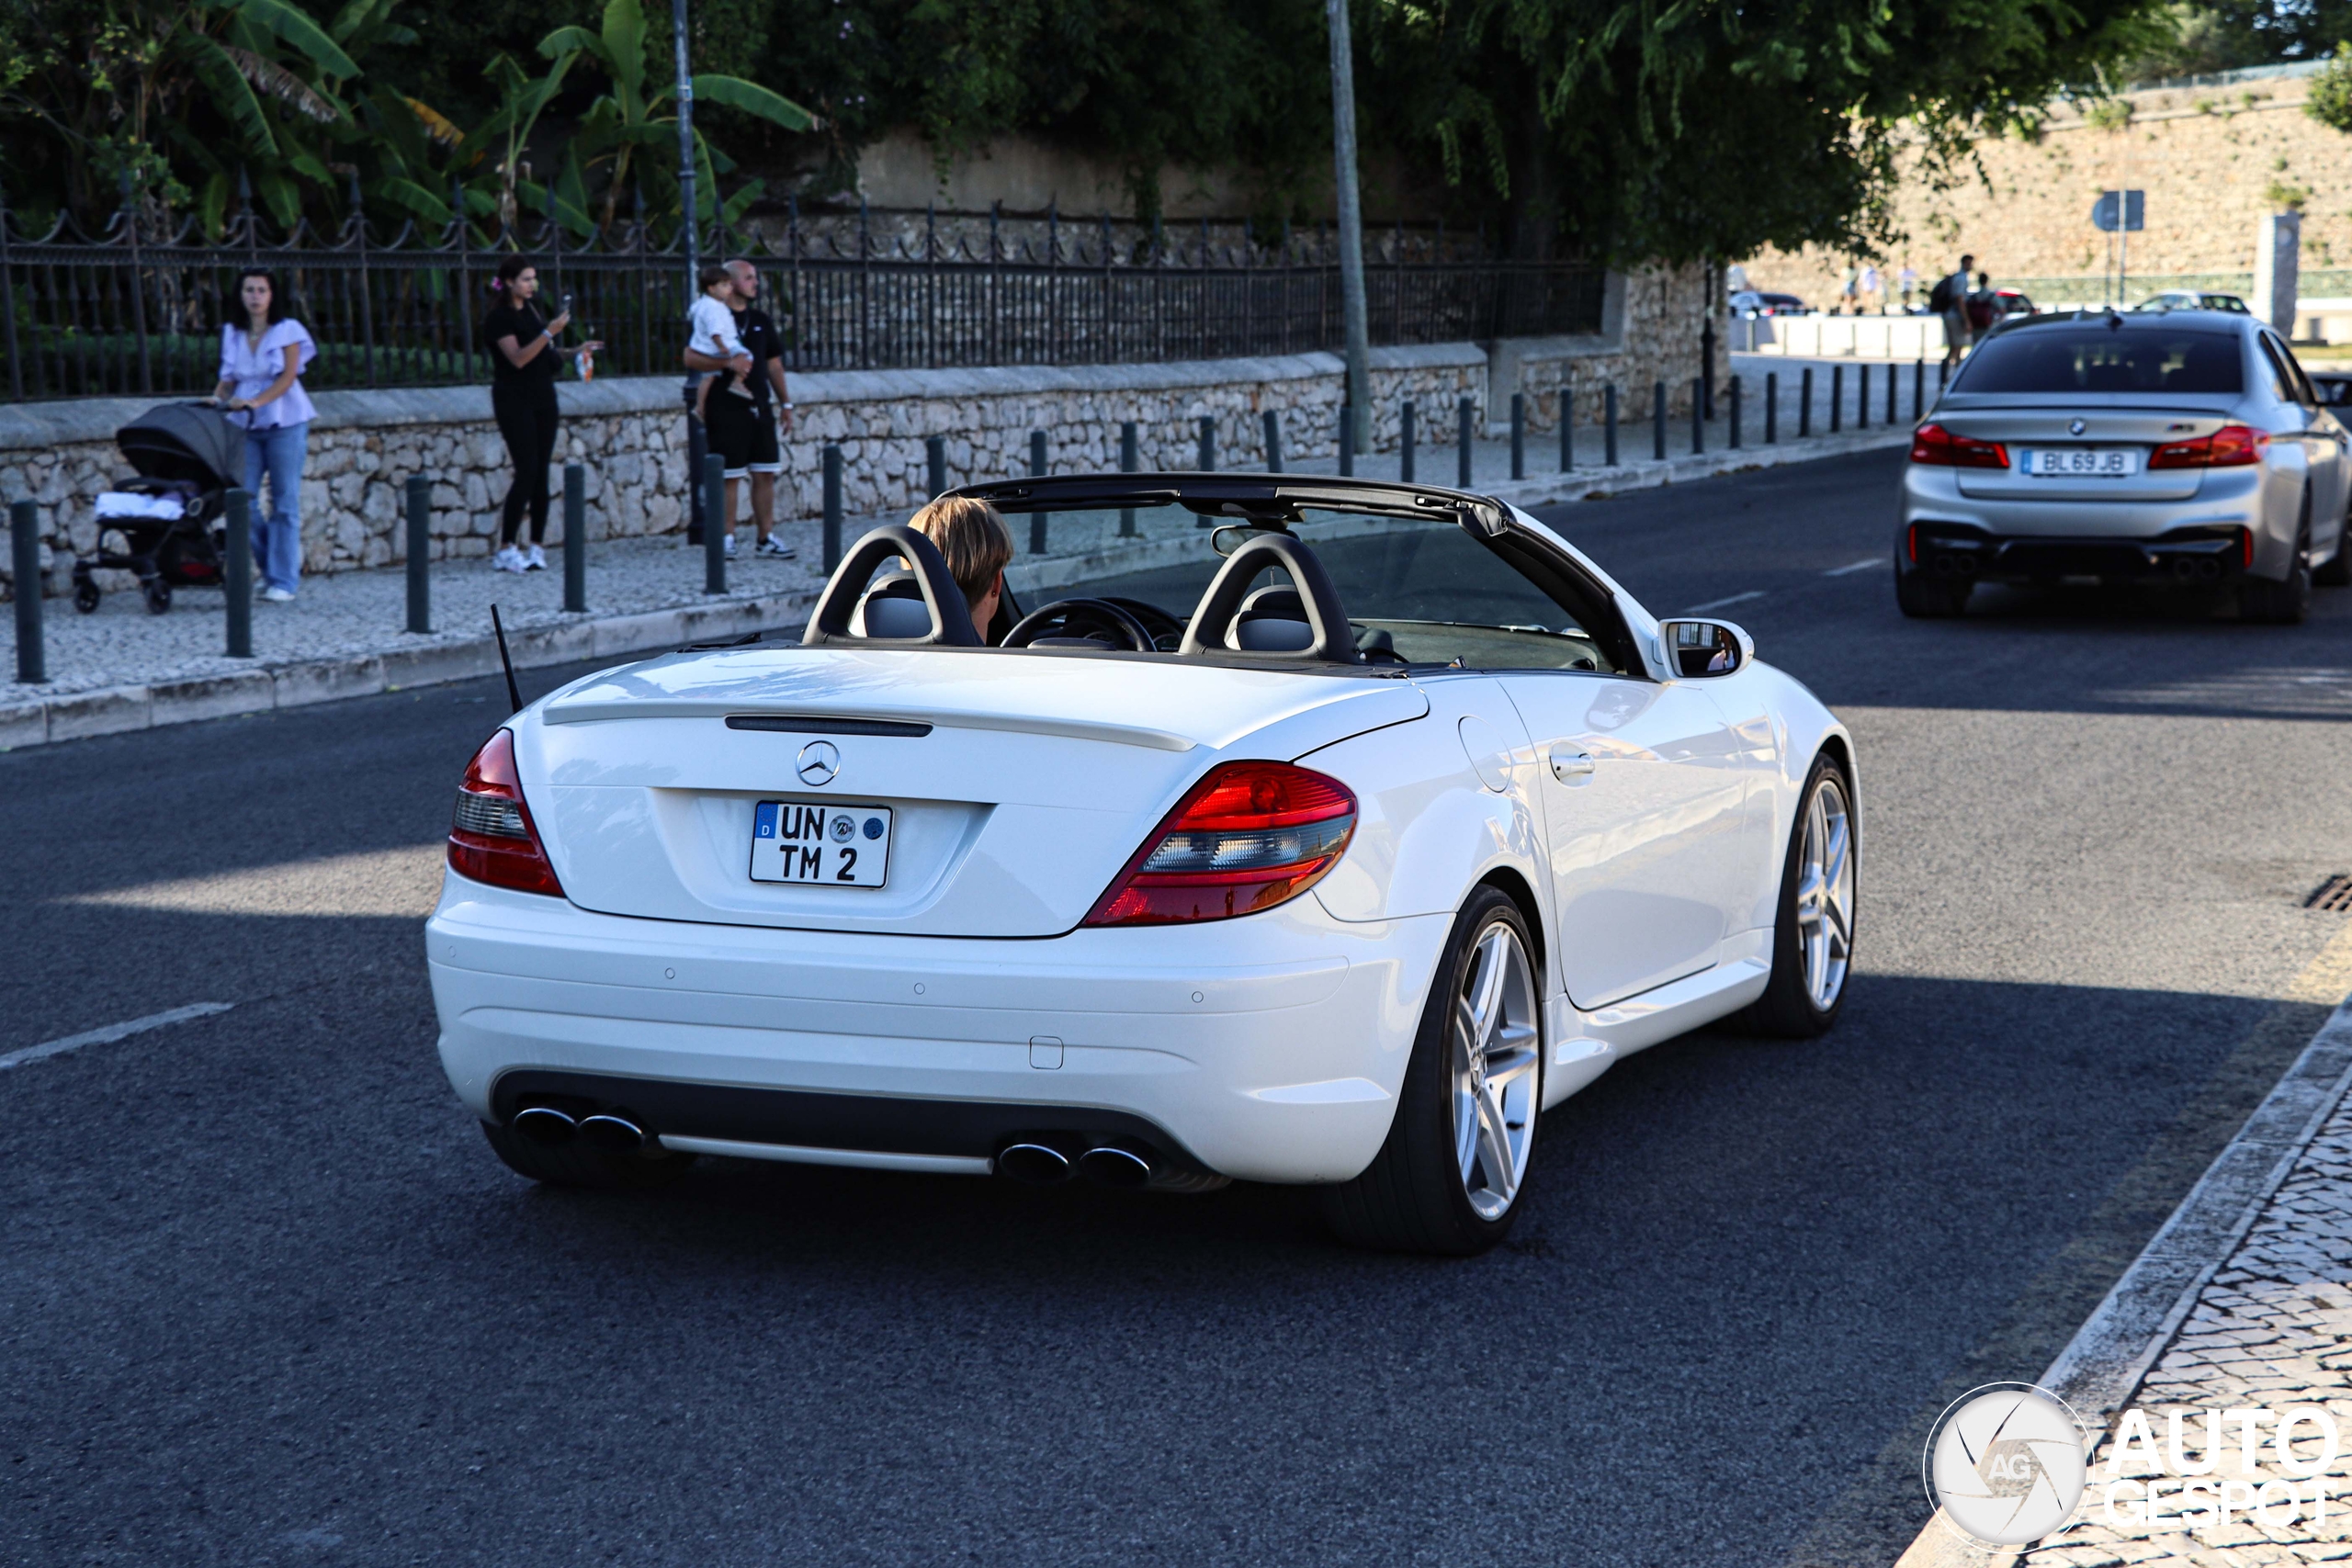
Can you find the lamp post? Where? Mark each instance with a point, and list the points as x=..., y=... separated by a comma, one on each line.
x=1354, y=312
x=686, y=100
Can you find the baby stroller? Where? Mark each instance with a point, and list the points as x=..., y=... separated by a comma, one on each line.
x=188, y=455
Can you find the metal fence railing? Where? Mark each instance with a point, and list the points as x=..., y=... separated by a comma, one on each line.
x=136, y=311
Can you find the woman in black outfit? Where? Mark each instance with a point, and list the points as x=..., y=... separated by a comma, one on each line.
x=523, y=355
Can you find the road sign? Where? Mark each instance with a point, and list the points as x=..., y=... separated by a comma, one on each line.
x=2135, y=209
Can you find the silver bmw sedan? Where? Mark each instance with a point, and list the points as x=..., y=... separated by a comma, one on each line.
x=2185, y=447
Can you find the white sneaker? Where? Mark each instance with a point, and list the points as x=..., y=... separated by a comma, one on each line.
x=730, y=546
x=772, y=545
x=535, y=559
x=278, y=595
x=508, y=559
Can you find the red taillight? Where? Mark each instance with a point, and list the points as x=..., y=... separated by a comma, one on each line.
x=1248, y=837
x=490, y=836
x=1933, y=444
x=2232, y=446
x=2246, y=548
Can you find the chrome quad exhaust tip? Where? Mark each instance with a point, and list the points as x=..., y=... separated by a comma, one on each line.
x=612, y=1135
x=1040, y=1164
x=1114, y=1166
x=544, y=1125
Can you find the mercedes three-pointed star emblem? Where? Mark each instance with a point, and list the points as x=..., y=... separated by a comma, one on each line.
x=820, y=761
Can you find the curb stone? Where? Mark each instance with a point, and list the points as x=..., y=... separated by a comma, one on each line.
x=112, y=710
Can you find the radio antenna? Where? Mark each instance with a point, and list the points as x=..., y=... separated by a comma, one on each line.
x=506, y=662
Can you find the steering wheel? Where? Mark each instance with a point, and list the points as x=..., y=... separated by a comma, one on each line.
x=1067, y=623
x=1166, y=630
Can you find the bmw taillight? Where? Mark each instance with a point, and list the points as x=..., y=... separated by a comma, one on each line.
x=490, y=836
x=2232, y=446
x=1933, y=444
x=1248, y=837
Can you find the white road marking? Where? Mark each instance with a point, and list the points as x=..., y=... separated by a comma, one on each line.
x=1858, y=565
x=1719, y=603
x=111, y=1033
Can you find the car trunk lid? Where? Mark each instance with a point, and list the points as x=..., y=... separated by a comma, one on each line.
x=1017, y=787
x=2027, y=423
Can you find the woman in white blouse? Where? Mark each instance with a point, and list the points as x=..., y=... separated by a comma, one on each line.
x=262, y=361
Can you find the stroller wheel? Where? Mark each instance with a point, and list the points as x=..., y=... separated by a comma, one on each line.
x=159, y=596
x=86, y=596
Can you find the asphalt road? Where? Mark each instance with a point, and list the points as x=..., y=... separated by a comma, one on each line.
x=265, y=1297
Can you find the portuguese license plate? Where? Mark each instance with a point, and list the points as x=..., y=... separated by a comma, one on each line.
x=2081, y=462
x=833, y=845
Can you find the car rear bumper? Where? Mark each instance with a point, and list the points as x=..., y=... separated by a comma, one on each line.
x=1269, y=1048
x=2201, y=555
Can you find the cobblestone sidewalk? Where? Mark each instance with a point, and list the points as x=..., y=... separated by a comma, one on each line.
x=2272, y=1329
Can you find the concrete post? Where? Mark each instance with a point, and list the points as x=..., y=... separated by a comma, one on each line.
x=2278, y=261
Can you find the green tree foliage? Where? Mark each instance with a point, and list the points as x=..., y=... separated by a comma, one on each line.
x=2200, y=36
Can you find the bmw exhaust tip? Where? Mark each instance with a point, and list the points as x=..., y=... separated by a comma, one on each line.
x=614, y=1134
x=1114, y=1166
x=1033, y=1163
x=544, y=1125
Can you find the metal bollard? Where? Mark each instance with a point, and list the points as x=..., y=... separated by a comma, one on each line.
x=934, y=453
x=1772, y=408
x=1943, y=379
x=833, y=539
x=1893, y=386
x=1919, y=387
x=1658, y=421
x=1568, y=428
x=1347, y=443
x=419, y=554
x=24, y=537
x=1465, y=412
x=1697, y=415
x=1037, y=520
x=1273, y=422
x=1208, y=444
x=1128, y=462
x=1608, y=427
x=1405, y=441
x=716, y=529
x=575, y=539
x=1836, y=397
x=1862, y=399
x=239, y=579
x=1805, y=404
x=1734, y=414
x=1519, y=436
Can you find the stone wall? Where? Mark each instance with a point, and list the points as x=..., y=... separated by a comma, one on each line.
x=629, y=436
x=2213, y=160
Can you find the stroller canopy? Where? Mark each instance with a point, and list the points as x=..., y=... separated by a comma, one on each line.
x=185, y=441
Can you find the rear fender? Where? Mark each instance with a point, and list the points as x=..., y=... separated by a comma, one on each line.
x=1428, y=831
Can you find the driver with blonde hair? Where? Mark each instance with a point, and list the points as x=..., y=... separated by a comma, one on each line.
x=971, y=534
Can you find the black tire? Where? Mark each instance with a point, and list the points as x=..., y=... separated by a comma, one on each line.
x=2337, y=571
x=159, y=598
x=85, y=597
x=1414, y=1196
x=1922, y=597
x=2282, y=603
x=1788, y=1009
x=577, y=1165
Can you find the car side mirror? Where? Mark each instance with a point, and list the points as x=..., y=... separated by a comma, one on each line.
x=1697, y=650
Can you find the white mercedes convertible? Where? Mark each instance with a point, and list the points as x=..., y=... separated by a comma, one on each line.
x=1331, y=844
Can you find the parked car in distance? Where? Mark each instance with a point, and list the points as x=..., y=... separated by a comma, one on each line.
x=1757, y=302
x=2193, y=299
x=2182, y=446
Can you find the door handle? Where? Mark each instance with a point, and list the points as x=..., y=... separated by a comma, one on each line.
x=1567, y=764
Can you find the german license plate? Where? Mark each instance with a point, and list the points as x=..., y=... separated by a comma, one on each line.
x=835, y=845
x=2081, y=462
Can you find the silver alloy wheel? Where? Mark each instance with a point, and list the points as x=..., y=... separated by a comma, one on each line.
x=1825, y=893
x=1497, y=1050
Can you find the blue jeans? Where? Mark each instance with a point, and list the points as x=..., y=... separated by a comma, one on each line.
x=278, y=532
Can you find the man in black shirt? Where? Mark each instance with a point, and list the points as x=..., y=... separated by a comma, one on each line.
x=752, y=434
